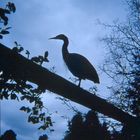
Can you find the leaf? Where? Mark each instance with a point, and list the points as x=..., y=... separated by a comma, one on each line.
x=6, y=11
x=1, y=36
x=1, y=96
x=42, y=115
x=34, y=119
x=31, y=99
x=49, y=121
x=29, y=119
x=20, y=49
x=28, y=109
x=46, y=54
x=27, y=52
x=11, y=6
x=46, y=60
x=35, y=112
x=6, y=95
x=23, y=108
x=16, y=43
x=35, y=59
x=4, y=32
x=22, y=98
x=43, y=127
x=25, y=97
x=5, y=19
x=8, y=28
x=28, y=86
x=13, y=96
x=40, y=57
x=15, y=49
x=40, y=103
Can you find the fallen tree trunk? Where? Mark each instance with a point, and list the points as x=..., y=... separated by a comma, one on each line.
x=21, y=67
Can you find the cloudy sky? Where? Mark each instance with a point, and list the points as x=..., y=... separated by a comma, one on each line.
x=33, y=23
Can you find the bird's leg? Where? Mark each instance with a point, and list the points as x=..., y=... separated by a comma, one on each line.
x=79, y=82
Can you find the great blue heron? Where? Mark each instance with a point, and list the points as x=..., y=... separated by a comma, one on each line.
x=76, y=63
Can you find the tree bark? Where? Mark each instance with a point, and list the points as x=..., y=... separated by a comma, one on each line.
x=23, y=68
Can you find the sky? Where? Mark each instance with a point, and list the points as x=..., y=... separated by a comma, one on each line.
x=33, y=23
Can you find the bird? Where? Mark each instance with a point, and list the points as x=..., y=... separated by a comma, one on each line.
x=78, y=65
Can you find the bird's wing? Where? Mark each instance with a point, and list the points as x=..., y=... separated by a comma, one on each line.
x=81, y=67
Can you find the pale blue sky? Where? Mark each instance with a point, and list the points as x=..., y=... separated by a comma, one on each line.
x=33, y=23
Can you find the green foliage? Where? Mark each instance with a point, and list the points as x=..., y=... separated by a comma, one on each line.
x=10, y=8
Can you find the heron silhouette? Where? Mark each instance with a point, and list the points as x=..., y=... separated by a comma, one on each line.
x=78, y=65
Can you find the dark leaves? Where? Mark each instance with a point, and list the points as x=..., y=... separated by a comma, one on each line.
x=18, y=48
x=43, y=127
x=13, y=96
x=35, y=59
x=33, y=119
x=48, y=123
x=46, y=56
x=1, y=36
x=40, y=59
x=11, y=7
x=3, y=16
x=27, y=53
x=14, y=87
x=25, y=109
x=11, y=89
x=4, y=95
x=4, y=32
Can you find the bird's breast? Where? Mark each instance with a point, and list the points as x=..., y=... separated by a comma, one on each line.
x=75, y=66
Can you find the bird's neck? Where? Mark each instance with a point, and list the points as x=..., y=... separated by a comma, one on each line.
x=65, y=49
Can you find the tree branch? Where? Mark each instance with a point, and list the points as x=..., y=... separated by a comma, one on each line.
x=23, y=68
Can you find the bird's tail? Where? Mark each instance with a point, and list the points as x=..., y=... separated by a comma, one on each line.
x=95, y=77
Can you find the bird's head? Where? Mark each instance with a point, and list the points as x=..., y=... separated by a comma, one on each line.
x=60, y=37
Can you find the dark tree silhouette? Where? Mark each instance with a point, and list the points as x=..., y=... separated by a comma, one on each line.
x=8, y=135
x=10, y=7
x=86, y=127
x=123, y=66
x=43, y=137
x=10, y=88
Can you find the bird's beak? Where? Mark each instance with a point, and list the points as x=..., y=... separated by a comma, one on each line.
x=52, y=38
